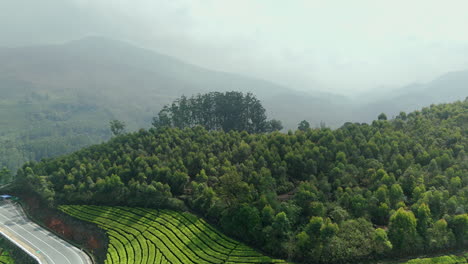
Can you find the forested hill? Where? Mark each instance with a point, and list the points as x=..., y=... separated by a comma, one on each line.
x=393, y=187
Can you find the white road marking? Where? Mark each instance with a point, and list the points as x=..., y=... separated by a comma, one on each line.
x=20, y=246
x=42, y=240
x=52, y=236
x=45, y=254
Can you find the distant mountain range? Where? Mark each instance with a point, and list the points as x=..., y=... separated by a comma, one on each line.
x=134, y=83
x=56, y=94
x=447, y=88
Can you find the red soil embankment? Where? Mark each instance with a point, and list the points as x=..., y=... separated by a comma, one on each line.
x=83, y=234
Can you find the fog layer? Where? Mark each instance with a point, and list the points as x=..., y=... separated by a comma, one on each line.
x=335, y=46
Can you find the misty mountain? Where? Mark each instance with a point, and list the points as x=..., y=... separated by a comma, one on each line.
x=447, y=88
x=58, y=98
x=134, y=83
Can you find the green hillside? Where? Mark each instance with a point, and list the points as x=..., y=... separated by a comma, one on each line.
x=387, y=189
x=140, y=235
x=42, y=127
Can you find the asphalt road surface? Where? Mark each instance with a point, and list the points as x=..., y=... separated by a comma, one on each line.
x=41, y=244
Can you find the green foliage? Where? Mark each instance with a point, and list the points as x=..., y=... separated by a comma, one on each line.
x=382, y=117
x=11, y=254
x=424, y=220
x=117, y=127
x=299, y=195
x=35, y=126
x=5, y=257
x=440, y=236
x=303, y=125
x=5, y=175
x=451, y=259
x=274, y=125
x=402, y=230
x=381, y=243
x=217, y=111
x=460, y=228
x=357, y=239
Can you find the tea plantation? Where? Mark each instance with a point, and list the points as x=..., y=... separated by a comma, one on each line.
x=140, y=235
x=450, y=259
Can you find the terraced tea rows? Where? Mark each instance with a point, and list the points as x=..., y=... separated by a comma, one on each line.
x=144, y=236
x=449, y=259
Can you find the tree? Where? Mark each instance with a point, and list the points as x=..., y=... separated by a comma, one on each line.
x=402, y=230
x=268, y=215
x=402, y=116
x=311, y=242
x=440, y=236
x=117, y=127
x=163, y=119
x=396, y=194
x=232, y=189
x=317, y=209
x=338, y=214
x=178, y=181
x=355, y=240
x=424, y=219
x=455, y=184
x=381, y=242
x=380, y=214
x=382, y=117
x=274, y=125
x=281, y=226
x=242, y=221
x=5, y=175
x=303, y=125
x=460, y=228
x=217, y=111
x=204, y=197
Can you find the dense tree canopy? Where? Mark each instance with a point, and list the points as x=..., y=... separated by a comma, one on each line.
x=393, y=187
x=5, y=175
x=303, y=125
x=217, y=111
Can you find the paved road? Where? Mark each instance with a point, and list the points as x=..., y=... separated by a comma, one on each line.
x=35, y=240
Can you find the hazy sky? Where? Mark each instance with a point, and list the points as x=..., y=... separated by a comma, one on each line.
x=340, y=46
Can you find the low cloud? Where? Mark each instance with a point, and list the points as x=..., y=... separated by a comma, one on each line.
x=339, y=46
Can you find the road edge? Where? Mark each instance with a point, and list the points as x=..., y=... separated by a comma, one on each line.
x=25, y=248
x=24, y=212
